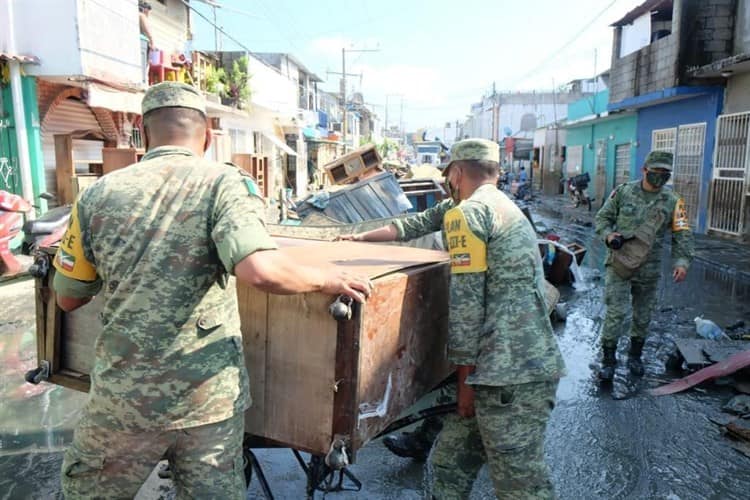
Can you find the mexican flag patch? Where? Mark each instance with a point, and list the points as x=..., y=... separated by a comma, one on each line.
x=66, y=261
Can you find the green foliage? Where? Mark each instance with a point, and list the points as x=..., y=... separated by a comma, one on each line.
x=236, y=85
x=214, y=76
x=386, y=147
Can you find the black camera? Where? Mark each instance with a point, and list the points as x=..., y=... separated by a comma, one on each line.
x=616, y=242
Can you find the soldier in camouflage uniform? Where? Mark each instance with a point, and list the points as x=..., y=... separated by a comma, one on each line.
x=159, y=241
x=632, y=223
x=500, y=337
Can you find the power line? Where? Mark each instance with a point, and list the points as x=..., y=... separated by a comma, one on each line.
x=566, y=44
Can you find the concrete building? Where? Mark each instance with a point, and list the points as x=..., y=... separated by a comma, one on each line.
x=518, y=114
x=729, y=192
x=655, y=46
x=548, y=159
x=601, y=143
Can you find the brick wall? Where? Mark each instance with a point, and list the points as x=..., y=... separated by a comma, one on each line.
x=708, y=29
x=647, y=70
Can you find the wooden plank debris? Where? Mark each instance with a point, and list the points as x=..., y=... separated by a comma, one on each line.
x=725, y=367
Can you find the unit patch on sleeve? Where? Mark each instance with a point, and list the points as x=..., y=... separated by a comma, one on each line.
x=252, y=187
x=70, y=260
x=468, y=252
x=680, y=217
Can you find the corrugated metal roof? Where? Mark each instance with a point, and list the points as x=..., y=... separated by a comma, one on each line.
x=377, y=197
x=7, y=56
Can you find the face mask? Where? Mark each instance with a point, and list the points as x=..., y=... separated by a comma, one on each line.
x=657, y=179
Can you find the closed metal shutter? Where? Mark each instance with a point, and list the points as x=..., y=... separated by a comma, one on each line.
x=68, y=116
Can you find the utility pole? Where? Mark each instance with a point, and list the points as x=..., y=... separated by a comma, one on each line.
x=343, y=87
x=401, y=119
x=387, y=97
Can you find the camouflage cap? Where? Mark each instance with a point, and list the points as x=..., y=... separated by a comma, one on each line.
x=474, y=149
x=173, y=95
x=660, y=159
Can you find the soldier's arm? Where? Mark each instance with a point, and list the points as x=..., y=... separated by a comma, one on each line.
x=76, y=280
x=423, y=223
x=683, y=245
x=606, y=217
x=412, y=227
x=467, y=233
x=247, y=250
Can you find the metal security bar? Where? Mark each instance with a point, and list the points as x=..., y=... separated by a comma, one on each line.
x=729, y=182
x=664, y=139
x=622, y=163
x=688, y=161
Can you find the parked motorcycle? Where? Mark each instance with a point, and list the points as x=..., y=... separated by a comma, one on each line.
x=577, y=190
x=503, y=182
x=44, y=231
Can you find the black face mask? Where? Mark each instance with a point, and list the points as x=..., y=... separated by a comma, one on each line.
x=657, y=179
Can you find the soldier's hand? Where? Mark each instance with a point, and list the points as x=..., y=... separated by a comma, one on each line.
x=612, y=236
x=678, y=274
x=340, y=282
x=465, y=394
x=348, y=237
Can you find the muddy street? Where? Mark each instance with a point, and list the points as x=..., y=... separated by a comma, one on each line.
x=618, y=443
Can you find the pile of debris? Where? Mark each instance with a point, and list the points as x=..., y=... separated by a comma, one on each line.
x=720, y=355
x=363, y=188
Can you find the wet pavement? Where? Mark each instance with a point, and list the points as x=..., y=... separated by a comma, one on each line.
x=614, y=443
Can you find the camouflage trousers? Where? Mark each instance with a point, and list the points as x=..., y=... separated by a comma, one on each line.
x=507, y=433
x=206, y=461
x=621, y=296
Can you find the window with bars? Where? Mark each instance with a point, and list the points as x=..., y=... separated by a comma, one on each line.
x=687, y=144
x=664, y=139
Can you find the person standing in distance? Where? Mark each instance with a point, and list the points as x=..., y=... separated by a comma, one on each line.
x=632, y=223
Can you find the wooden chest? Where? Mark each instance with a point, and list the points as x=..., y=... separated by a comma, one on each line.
x=311, y=377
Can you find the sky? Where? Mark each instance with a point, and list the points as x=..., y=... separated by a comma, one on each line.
x=438, y=56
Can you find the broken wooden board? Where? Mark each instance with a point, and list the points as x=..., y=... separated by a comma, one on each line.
x=726, y=367
x=699, y=353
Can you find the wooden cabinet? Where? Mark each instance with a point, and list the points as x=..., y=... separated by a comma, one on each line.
x=255, y=165
x=117, y=158
x=312, y=378
x=354, y=166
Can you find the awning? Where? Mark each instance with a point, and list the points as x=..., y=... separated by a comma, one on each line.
x=101, y=96
x=23, y=59
x=278, y=143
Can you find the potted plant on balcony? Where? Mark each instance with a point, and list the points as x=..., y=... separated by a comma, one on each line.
x=236, y=90
x=214, y=83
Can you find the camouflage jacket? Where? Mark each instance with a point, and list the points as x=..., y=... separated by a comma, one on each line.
x=158, y=240
x=498, y=316
x=629, y=206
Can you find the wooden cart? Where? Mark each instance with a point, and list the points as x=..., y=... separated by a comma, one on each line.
x=313, y=379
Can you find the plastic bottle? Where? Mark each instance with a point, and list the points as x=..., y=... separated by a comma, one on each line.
x=708, y=329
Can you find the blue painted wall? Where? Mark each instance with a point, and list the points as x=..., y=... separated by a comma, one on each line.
x=702, y=108
x=588, y=106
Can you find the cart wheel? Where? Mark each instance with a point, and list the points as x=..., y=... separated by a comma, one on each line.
x=247, y=463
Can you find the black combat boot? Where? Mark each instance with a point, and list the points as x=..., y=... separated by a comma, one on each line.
x=416, y=444
x=609, y=360
x=634, y=356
